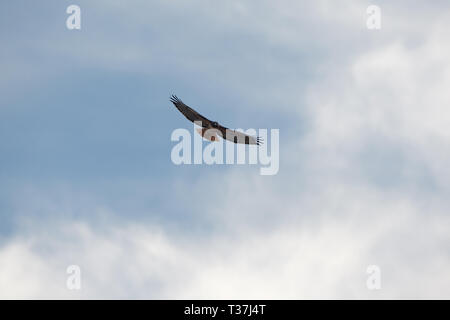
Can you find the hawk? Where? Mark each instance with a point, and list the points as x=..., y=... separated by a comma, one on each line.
x=211, y=130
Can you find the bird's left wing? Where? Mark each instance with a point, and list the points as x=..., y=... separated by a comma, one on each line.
x=188, y=112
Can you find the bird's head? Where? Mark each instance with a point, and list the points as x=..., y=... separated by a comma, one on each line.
x=214, y=124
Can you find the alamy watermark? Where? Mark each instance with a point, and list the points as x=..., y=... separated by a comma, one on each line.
x=374, y=280
x=74, y=20
x=373, y=21
x=73, y=281
x=193, y=151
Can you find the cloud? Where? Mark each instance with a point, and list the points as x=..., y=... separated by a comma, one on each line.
x=392, y=95
x=320, y=249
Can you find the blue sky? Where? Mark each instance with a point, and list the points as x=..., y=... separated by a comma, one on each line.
x=87, y=121
x=85, y=170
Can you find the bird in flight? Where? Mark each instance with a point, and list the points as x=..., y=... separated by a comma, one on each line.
x=212, y=129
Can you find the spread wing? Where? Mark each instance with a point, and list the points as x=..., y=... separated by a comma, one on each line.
x=188, y=112
x=239, y=137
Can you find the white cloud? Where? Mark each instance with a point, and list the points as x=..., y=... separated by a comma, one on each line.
x=393, y=93
x=321, y=254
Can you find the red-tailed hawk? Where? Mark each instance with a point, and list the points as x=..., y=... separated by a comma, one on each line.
x=211, y=130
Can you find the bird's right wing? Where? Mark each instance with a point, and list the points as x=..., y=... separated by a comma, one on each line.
x=188, y=112
x=239, y=137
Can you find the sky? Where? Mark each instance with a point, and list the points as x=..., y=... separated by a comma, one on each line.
x=86, y=177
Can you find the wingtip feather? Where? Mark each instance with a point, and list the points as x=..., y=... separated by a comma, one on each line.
x=174, y=99
x=259, y=141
